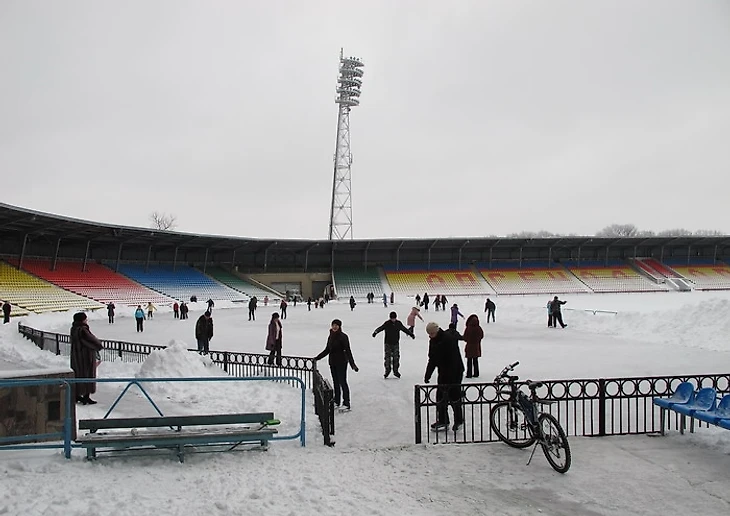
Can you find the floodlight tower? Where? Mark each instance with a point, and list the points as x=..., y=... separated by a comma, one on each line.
x=349, y=83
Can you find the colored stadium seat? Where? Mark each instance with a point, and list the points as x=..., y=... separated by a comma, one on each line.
x=706, y=277
x=704, y=401
x=236, y=283
x=357, y=282
x=722, y=411
x=97, y=282
x=553, y=280
x=36, y=295
x=443, y=279
x=613, y=278
x=685, y=393
x=180, y=283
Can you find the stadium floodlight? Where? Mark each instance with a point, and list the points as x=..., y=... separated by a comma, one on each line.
x=349, y=82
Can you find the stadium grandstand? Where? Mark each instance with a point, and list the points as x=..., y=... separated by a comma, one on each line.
x=52, y=262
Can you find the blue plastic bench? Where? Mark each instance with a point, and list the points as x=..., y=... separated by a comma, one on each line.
x=684, y=394
x=722, y=411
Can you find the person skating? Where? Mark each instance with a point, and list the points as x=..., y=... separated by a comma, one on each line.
x=340, y=355
x=110, y=311
x=425, y=300
x=273, y=340
x=211, y=304
x=204, y=332
x=444, y=355
x=437, y=303
x=392, y=328
x=252, y=308
x=411, y=320
x=557, y=315
x=489, y=308
x=85, y=348
x=473, y=335
x=385, y=300
x=283, y=306
x=455, y=314
x=139, y=318
x=418, y=299
x=352, y=303
x=309, y=304
x=150, y=309
x=184, y=310
x=266, y=300
x=550, y=313
x=176, y=310
x=392, y=298
x=6, y=312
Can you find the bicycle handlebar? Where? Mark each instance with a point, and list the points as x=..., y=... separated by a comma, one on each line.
x=505, y=371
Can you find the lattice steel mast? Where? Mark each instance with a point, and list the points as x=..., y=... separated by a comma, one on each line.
x=349, y=83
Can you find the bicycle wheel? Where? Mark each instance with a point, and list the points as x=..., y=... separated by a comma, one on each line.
x=510, y=425
x=555, y=445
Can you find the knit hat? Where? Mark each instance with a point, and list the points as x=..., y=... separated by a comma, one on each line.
x=337, y=322
x=432, y=327
x=275, y=315
x=393, y=315
x=79, y=317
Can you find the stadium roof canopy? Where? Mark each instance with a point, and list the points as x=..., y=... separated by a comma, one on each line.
x=16, y=221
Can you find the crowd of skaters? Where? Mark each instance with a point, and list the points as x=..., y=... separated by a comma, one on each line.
x=444, y=355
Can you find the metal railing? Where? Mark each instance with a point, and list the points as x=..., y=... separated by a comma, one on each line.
x=234, y=363
x=587, y=407
x=324, y=406
x=239, y=365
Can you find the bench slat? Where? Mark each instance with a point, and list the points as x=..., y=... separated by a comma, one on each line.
x=229, y=434
x=161, y=421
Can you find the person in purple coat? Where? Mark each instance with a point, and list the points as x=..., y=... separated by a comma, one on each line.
x=455, y=314
x=273, y=340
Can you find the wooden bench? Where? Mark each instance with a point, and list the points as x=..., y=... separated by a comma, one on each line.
x=177, y=432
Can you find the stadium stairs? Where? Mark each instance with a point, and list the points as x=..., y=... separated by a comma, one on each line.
x=616, y=276
x=247, y=287
x=180, y=283
x=358, y=282
x=97, y=282
x=447, y=279
x=660, y=273
x=34, y=294
x=703, y=275
x=532, y=278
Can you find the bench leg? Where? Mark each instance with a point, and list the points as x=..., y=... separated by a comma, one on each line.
x=682, y=423
x=265, y=445
x=662, y=422
x=181, y=453
x=90, y=453
x=691, y=425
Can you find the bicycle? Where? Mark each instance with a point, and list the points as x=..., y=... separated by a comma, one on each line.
x=518, y=423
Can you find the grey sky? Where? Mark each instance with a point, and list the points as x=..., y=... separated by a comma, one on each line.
x=476, y=118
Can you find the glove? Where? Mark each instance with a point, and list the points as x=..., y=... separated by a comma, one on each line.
x=413, y=337
x=374, y=334
x=426, y=380
x=356, y=369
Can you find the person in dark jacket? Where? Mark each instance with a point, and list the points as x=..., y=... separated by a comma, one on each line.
x=489, y=308
x=309, y=304
x=352, y=303
x=473, y=335
x=557, y=315
x=204, y=332
x=444, y=355
x=437, y=303
x=340, y=354
x=6, y=312
x=550, y=313
x=425, y=300
x=392, y=328
x=252, y=308
x=283, y=306
x=110, y=312
x=85, y=349
x=273, y=340
x=211, y=304
x=176, y=310
x=139, y=317
x=184, y=310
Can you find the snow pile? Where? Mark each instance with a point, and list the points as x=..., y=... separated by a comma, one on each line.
x=16, y=350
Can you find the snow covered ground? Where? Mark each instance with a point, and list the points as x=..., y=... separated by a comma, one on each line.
x=375, y=468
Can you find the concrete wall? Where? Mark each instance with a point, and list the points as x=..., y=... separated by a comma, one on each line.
x=305, y=278
x=36, y=409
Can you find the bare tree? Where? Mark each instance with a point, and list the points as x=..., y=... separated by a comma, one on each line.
x=709, y=232
x=675, y=232
x=162, y=221
x=618, y=230
x=533, y=234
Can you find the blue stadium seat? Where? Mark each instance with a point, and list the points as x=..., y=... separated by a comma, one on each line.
x=705, y=400
x=722, y=411
x=684, y=393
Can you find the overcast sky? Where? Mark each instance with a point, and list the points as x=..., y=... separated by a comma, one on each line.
x=476, y=118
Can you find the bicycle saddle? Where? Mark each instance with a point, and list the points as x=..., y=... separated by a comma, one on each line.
x=534, y=385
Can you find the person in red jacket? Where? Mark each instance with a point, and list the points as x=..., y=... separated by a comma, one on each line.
x=473, y=335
